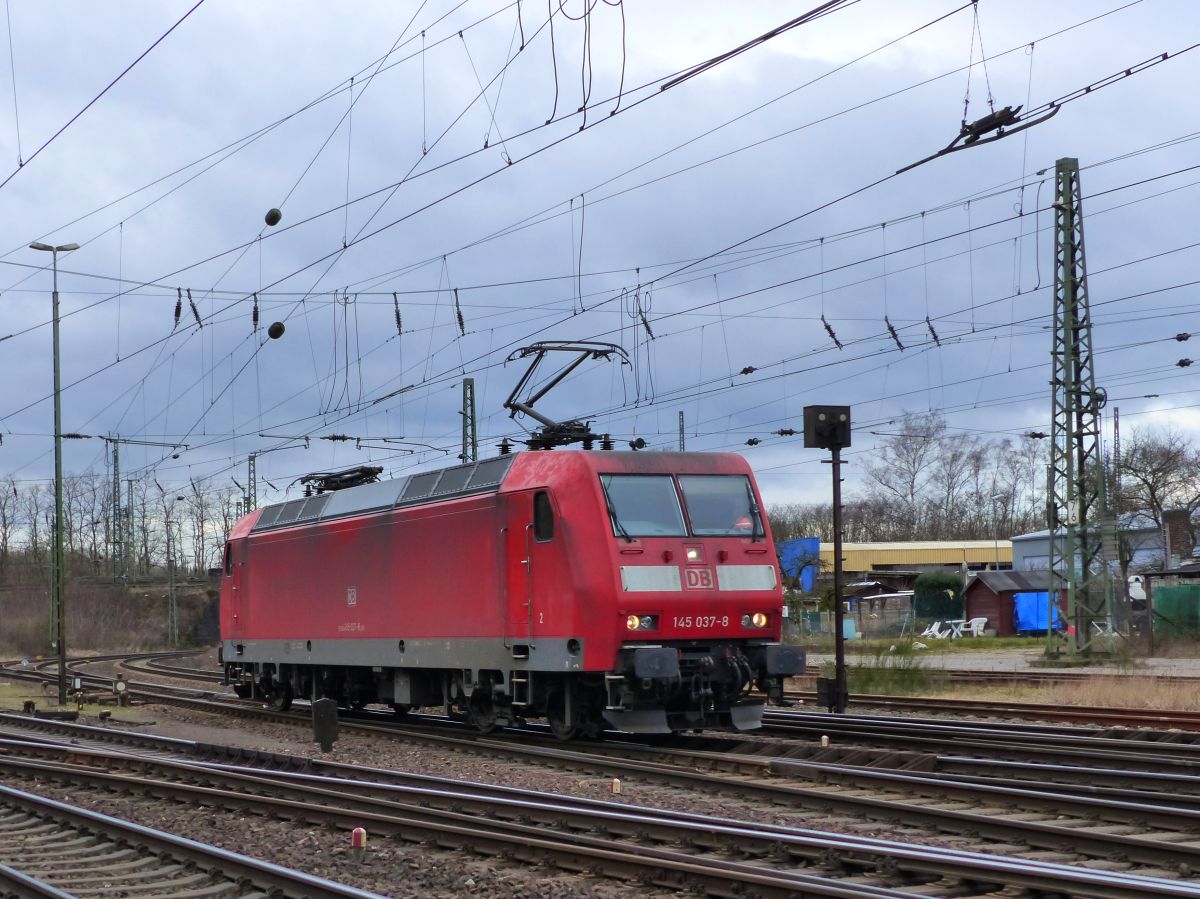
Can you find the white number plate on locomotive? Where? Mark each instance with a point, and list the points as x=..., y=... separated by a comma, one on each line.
x=685, y=621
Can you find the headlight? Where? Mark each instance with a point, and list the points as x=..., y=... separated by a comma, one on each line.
x=758, y=619
x=695, y=554
x=641, y=622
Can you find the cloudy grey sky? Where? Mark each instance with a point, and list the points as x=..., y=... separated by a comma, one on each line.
x=422, y=159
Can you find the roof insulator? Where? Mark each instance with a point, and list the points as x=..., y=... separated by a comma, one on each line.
x=195, y=311
x=462, y=327
x=829, y=331
x=932, y=333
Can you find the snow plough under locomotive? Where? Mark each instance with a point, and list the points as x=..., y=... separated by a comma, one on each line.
x=633, y=590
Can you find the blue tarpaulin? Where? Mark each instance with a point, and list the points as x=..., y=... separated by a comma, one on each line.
x=799, y=558
x=1029, y=612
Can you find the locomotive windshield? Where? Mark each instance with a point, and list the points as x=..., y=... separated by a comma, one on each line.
x=721, y=505
x=643, y=505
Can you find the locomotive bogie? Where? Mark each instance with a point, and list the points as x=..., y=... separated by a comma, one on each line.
x=635, y=591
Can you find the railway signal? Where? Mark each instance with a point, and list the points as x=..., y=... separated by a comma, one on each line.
x=828, y=427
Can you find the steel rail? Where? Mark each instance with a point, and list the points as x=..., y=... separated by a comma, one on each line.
x=983, y=676
x=233, y=866
x=1036, y=742
x=357, y=801
x=1112, y=716
x=1053, y=836
x=18, y=884
x=1165, y=752
x=1043, y=835
x=511, y=840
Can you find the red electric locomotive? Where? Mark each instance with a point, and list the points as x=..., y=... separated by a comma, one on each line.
x=634, y=590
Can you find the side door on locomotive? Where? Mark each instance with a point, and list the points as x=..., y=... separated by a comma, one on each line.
x=533, y=569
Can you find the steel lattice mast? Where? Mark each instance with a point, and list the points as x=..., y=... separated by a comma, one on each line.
x=470, y=437
x=1077, y=509
x=251, y=483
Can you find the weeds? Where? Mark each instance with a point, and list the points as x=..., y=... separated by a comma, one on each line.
x=894, y=669
x=102, y=617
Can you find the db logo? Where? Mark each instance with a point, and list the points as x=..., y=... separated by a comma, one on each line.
x=697, y=579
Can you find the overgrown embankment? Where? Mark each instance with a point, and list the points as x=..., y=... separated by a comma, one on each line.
x=105, y=616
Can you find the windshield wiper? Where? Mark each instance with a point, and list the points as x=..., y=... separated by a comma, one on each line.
x=758, y=531
x=612, y=513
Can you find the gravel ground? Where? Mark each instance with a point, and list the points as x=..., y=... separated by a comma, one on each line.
x=395, y=868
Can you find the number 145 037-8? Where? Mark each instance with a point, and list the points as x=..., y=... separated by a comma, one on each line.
x=701, y=620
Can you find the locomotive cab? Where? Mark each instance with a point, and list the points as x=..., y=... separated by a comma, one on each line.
x=701, y=601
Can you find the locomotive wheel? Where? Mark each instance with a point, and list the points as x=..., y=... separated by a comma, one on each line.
x=400, y=709
x=280, y=697
x=483, y=711
x=556, y=717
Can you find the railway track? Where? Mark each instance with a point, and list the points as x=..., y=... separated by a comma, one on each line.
x=1084, y=820
x=1129, y=811
x=163, y=664
x=1031, y=677
x=667, y=849
x=53, y=849
x=1099, y=715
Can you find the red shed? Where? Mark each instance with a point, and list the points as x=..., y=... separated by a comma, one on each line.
x=989, y=595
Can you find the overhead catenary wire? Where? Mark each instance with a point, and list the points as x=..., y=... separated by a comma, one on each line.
x=577, y=273
x=1060, y=31
x=1140, y=181
x=12, y=68
x=361, y=235
x=71, y=121
x=1039, y=316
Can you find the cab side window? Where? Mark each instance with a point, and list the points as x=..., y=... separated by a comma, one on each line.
x=543, y=517
x=228, y=559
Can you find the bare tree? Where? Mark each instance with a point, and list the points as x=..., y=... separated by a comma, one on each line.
x=901, y=474
x=926, y=483
x=9, y=500
x=1159, y=470
x=92, y=529
x=32, y=510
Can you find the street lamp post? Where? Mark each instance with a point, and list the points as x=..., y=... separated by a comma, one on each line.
x=57, y=612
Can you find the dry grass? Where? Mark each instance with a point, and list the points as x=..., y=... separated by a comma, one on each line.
x=1133, y=692
x=101, y=616
x=1176, y=648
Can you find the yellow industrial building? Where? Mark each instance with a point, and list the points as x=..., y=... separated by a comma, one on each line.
x=977, y=555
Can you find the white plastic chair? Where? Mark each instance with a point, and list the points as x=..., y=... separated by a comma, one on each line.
x=976, y=625
x=934, y=630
